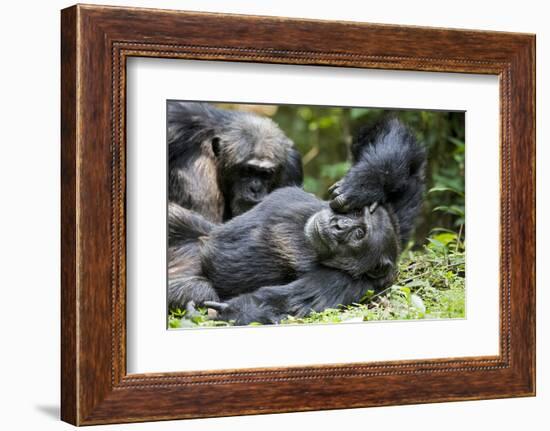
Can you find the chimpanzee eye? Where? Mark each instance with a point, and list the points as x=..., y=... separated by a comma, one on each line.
x=359, y=233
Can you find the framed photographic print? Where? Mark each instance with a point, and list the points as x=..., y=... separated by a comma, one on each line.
x=324, y=214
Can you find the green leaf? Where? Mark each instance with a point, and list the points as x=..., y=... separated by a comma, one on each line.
x=198, y=319
x=453, y=209
x=438, y=189
x=445, y=238
x=367, y=296
x=435, y=243
x=457, y=142
x=174, y=323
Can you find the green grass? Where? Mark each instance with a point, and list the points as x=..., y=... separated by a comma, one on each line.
x=430, y=285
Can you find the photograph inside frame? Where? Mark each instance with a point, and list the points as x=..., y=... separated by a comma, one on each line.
x=290, y=214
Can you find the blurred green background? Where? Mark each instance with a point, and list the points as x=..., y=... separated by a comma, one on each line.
x=323, y=136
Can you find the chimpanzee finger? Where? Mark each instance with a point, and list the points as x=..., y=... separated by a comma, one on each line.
x=332, y=189
x=218, y=306
x=339, y=204
x=335, y=193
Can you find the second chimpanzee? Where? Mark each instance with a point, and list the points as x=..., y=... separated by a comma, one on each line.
x=223, y=162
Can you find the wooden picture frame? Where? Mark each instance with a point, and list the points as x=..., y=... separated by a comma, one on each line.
x=95, y=43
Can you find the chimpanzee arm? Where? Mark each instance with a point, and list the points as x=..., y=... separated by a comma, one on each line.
x=388, y=169
x=315, y=291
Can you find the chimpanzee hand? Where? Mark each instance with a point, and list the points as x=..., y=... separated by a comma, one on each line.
x=225, y=311
x=338, y=201
x=257, y=307
x=344, y=202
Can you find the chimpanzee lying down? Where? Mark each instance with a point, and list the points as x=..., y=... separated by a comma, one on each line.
x=294, y=253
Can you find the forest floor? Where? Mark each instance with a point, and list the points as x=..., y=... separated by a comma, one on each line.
x=430, y=285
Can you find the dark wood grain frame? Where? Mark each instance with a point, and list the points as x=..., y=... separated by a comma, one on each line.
x=95, y=44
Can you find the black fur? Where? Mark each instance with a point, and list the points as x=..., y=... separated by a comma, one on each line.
x=186, y=285
x=222, y=162
x=388, y=169
x=185, y=226
x=291, y=254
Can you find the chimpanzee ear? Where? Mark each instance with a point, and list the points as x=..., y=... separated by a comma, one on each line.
x=292, y=173
x=216, y=144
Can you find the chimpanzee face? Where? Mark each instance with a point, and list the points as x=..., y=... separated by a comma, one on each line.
x=250, y=184
x=358, y=243
x=251, y=162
